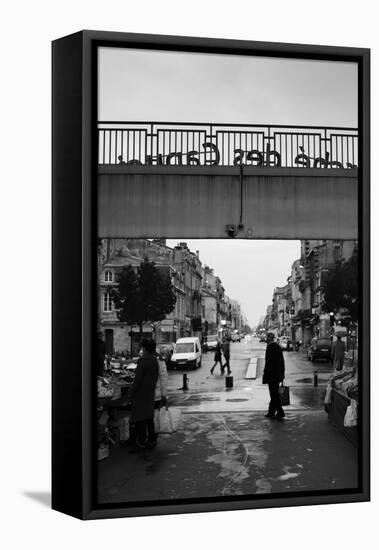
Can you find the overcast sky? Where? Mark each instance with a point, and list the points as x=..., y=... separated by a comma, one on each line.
x=167, y=86
x=138, y=85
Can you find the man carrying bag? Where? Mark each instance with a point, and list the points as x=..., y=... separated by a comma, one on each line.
x=273, y=375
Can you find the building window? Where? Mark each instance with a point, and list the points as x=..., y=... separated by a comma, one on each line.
x=107, y=302
x=108, y=276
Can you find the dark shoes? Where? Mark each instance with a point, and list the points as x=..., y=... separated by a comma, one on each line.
x=269, y=415
x=212, y=369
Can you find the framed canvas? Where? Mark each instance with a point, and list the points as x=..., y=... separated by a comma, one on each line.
x=210, y=275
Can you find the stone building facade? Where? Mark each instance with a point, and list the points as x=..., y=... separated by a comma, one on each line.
x=113, y=255
x=189, y=266
x=297, y=309
x=200, y=305
x=214, y=308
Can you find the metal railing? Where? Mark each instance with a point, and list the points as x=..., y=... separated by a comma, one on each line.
x=185, y=143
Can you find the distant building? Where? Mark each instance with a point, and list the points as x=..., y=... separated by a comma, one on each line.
x=201, y=304
x=297, y=308
x=188, y=265
x=214, y=308
x=113, y=255
x=209, y=311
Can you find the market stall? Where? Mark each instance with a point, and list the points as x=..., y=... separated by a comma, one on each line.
x=113, y=404
x=341, y=402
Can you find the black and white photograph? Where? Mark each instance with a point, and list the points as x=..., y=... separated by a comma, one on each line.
x=189, y=210
x=228, y=277
x=189, y=314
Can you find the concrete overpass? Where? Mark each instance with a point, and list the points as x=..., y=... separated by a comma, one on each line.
x=269, y=187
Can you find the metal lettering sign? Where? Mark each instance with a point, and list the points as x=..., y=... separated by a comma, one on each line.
x=186, y=144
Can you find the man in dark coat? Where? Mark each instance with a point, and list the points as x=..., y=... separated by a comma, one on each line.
x=225, y=346
x=273, y=374
x=143, y=394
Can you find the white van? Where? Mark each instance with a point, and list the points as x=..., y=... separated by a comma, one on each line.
x=187, y=353
x=210, y=342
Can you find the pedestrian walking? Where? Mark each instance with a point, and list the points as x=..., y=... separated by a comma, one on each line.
x=143, y=395
x=225, y=346
x=273, y=374
x=218, y=359
x=338, y=353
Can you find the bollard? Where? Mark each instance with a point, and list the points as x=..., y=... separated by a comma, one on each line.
x=185, y=382
x=228, y=381
x=315, y=378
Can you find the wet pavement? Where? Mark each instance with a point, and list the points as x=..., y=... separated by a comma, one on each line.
x=233, y=454
x=247, y=400
x=225, y=445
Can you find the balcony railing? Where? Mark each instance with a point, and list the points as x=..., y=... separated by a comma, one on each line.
x=188, y=144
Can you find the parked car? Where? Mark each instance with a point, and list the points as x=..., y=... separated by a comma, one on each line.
x=319, y=348
x=187, y=353
x=210, y=342
x=285, y=343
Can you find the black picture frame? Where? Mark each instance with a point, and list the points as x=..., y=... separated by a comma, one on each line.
x=74, y=152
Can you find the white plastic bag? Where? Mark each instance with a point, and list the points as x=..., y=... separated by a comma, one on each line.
x=328, y=395
x=166, y=421
x=102, y=452
x=351, y=415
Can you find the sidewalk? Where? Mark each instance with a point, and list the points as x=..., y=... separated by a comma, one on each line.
x=233, y=453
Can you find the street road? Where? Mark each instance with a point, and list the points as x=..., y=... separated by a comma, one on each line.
x=201, y=380
x=225, y=445
x=208, y=392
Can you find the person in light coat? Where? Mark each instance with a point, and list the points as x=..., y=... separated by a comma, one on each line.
x=338, y=353
x=160, y=396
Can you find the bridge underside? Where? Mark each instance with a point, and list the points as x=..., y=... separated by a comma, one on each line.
x=198, y=202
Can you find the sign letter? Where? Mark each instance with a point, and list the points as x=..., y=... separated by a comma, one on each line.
x=256, y=157
x=216, y=160
x=277, y=161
